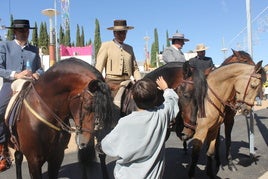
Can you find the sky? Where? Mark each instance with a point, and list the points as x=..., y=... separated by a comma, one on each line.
x=216, y=23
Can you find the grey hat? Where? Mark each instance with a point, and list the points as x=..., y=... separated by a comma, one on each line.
x=120, y=25
x=20, y=24
x=178, y=36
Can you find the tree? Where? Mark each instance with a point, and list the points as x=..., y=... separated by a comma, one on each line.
x=43, y=40
x=78, y=43
x=97, y=38
x=168, y=42
x=82, y=37
x=10, y=32
x=61, y=36
x=67, y=38
x=154, y=49
x=35, y=35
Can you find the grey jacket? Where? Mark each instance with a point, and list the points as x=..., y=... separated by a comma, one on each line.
x=14, y=58
x=171, y=54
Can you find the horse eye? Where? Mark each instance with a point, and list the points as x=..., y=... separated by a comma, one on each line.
x=254, y=85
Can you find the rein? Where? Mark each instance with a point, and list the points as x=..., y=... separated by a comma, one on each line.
x=63, y=126
x=253, y=75
x=218, y=98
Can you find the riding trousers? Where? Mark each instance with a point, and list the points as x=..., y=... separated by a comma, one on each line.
x=5, y=96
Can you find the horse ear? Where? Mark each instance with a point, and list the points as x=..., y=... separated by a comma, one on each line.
x=236, y=53
x=258, y=67
x=93, y=86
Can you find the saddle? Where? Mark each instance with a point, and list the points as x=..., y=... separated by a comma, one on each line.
x=13, y=108
x=123, y=86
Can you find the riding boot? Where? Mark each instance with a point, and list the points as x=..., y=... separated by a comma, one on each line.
x=5, y=161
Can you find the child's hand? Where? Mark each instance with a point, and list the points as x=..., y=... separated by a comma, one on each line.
x=162, y=84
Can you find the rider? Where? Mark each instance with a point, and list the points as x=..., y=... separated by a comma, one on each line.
x=201, y=61
x=13, y=58
x=117, y=58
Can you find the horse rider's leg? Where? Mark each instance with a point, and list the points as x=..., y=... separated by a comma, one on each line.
x=5, y=95
x=198, y=141
x=18, y=161
x=228, y=126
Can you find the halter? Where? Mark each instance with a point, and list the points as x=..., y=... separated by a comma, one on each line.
x=253, y=75
x=63, y=126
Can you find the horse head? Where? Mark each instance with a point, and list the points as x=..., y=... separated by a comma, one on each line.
x=87, y=109
x=238, y=57
x=248, y=88
x=192, y=93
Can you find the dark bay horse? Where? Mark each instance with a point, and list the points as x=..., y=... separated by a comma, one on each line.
x=174, y=74
x=240, y=82
x=71, y=89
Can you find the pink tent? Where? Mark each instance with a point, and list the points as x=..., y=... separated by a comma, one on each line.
x=73, y=51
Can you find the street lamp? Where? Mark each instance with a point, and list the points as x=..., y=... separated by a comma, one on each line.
x=147, y=60
x=50, y=13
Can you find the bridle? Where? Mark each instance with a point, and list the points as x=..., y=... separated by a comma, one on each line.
x=187, y=124
x=62, y=126
x=228, y=103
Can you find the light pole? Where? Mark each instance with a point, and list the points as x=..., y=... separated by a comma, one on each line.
x=50, y=13
x=147, y=60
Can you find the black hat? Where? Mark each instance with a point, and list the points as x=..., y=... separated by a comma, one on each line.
x=20, y=24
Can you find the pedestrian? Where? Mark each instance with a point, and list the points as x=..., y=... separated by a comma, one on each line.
x=14, y=57
x=117, y=58
x=138, y=140
x=174, y=52
x=201, y=61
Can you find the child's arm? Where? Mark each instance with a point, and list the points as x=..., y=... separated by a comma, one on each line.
x=162, y=84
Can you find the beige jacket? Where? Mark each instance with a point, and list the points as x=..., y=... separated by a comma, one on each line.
x=112, y=58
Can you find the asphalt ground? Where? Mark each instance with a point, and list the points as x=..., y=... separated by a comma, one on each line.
x=177, y=161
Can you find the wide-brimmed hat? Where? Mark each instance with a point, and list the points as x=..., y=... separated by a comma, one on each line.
x=20, y=24
x=120, y=25
x=200, y=47
x=178, y=36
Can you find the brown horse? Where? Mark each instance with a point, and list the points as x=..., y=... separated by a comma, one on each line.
x=241, y=82
x=188, y=107
x=71, y=89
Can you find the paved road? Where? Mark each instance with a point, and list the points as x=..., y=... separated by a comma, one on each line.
x=177, y=161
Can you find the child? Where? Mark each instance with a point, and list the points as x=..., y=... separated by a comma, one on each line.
x=138, y=140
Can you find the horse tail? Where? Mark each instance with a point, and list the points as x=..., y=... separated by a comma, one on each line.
x=200, y=83
x=103, y=107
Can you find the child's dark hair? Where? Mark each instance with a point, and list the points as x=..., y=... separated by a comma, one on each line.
x=145, y=93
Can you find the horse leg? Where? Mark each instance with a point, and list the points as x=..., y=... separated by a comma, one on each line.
x=54, y=164
x=185, y=149
x=217, y=149
x=103, y=166
x=211, y=159
x=197, y=145
x=35, y=168
x=18, y=161
x=228, y=125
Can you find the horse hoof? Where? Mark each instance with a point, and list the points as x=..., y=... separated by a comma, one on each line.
x=232, y=167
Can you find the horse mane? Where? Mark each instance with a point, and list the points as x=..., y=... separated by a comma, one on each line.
x=245, y=58
x=72, y=62
x=158, y=72
x=200, y=92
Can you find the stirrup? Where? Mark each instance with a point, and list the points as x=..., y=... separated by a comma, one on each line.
x=5, y=163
